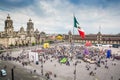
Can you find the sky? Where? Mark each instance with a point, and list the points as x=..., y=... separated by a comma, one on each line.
x=56, y=16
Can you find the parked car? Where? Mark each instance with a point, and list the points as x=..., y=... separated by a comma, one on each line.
x=3, y=72
x=116, y=45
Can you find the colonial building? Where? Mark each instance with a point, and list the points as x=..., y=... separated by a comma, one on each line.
x=10, y=37
x=94, y=38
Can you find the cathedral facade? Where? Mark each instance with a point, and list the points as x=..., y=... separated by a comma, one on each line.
x=22, y=37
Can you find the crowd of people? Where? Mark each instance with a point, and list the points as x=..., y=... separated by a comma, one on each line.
x=68, y=51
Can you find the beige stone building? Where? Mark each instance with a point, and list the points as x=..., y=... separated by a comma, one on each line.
x=22, y=37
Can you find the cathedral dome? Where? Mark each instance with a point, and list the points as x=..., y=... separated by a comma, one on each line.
x=21, y=29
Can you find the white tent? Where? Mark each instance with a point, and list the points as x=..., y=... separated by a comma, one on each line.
x=33, y=56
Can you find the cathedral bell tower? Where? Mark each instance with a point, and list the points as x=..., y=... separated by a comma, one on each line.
x=30, y=28
x=8, y=26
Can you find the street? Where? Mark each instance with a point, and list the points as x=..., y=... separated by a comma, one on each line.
x=19, y=72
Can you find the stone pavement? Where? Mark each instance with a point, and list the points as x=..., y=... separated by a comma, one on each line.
x=65, y=72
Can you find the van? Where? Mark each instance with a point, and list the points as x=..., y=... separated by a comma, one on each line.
x=3, y=72
x=98, y=45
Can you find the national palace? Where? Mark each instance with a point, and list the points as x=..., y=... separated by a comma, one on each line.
x=98, y=38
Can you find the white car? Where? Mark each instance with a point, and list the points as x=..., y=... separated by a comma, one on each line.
x=3, y=72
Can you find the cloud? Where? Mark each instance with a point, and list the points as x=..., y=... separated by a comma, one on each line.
x=56, y=16
x=16, y=3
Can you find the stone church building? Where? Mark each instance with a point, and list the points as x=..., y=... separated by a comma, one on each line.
x=22, y=37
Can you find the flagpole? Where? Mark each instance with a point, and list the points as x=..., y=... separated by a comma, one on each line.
x=73, y=30
x=72, y=42
x=99, y=28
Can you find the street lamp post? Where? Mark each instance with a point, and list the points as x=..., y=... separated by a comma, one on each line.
x=42, y=66
x=42, y=69
x=75, y=71
x=12, y=72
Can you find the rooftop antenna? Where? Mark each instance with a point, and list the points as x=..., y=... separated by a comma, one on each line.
x=99, y=28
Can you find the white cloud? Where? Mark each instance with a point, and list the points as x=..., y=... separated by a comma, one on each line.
x=57, y=16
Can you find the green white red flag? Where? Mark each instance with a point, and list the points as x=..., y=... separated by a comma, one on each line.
x=81, y=33
x=80, y=30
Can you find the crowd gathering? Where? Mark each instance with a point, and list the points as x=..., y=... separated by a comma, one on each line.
x=89, y=55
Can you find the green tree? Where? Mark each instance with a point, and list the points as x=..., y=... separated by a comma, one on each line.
x=33, y=43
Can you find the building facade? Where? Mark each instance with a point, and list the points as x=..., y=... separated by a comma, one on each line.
x=94, y=38
x=22, y=37
x=30, y=35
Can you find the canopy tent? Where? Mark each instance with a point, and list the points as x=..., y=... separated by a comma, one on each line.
x=46, y=45
x=33, y=56
x=88, y=43
x=63, y=60
x=86, y=51
x=108, y=54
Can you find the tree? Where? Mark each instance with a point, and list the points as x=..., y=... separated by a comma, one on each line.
x=59, y=37
x=11, y=45
x=33, y=43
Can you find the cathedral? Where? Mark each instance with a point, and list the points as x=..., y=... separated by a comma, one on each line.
x=22, y=37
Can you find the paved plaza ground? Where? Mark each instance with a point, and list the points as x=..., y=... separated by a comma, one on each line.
x=66, y=72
